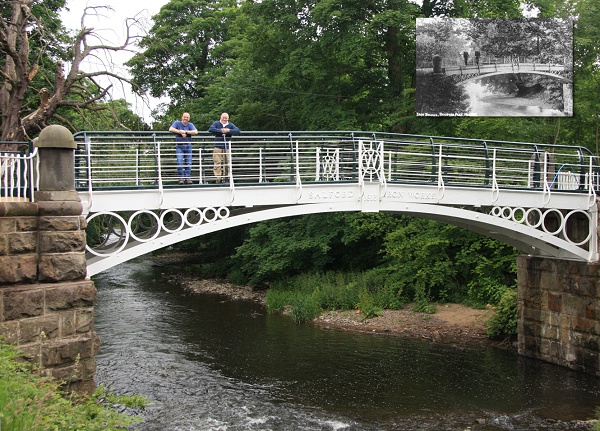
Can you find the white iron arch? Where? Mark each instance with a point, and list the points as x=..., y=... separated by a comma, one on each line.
x=519, y=235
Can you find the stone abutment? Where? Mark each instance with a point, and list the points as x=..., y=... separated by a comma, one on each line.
x=46, y=302
x=558, y=311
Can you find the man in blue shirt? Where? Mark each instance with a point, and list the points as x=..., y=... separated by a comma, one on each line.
x=223, y=130
x=183, y=151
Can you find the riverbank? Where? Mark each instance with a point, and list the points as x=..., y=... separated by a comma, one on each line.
x=451, y=323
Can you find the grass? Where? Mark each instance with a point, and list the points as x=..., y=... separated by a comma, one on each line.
x=30, y=402
x=306, y=295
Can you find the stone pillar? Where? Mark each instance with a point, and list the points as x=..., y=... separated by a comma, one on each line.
x=437, y=64
x=46, y=303
x=559, y=312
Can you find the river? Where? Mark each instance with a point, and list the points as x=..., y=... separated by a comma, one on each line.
x=489, y=104
x=208, y=363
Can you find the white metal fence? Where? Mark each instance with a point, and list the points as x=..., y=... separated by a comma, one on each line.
x=18, y=172
x=105, y=160
x=113, y=160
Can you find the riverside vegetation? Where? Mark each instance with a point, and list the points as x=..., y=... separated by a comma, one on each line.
x=32, y=402
x=367, y=262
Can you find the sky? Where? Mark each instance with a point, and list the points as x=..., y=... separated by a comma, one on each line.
x=110, y=25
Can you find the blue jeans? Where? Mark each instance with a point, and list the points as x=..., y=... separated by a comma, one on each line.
x=183, y=152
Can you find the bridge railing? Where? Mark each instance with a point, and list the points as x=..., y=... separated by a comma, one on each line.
x=487, y=60
x=19, y=167
x=147, y=160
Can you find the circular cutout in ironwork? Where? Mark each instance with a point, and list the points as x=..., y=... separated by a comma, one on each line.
x=144, y=225
x=223, y=213
x=519, y=215
x=106, y=234
x=193, y=217
x=577, y=226
x=496, y=211
x=533, y=217
x=210, y=214
x=172, y=220
x=553, y=221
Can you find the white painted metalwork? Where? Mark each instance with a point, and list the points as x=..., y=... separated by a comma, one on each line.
x=328, y=163
x=539, y=198
x=370, y=166
x=19, y=174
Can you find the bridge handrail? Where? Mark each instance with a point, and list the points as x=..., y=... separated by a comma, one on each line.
x=147, y=160
x=498, y=60
x=292, y=135
x=19, y=170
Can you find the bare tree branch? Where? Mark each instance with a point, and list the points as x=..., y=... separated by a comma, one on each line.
x=77, y=89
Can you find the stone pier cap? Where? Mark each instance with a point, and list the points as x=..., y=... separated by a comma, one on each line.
x=57, y=159
x=55, y=136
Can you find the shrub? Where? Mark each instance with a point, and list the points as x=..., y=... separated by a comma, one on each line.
x=236, y=276
x=423, y=306
x=337, y=296
x=366, y=305
x=386, y=287
x=504, y=321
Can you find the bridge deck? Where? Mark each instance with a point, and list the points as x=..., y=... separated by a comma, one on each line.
x=528, y=195
x=465, y=73
x=140, y=172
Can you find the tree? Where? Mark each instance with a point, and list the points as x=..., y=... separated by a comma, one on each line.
x=338, y=64
x=34, y=85
x=185, y=51
x=545, y=39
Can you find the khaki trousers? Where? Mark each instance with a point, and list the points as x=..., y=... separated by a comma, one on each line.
x=220, y=163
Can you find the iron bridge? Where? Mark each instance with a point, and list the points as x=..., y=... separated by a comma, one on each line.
x=540, y=199
x=471, y=72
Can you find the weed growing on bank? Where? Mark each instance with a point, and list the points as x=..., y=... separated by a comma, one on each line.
x=29, y=402
x=504, y=321
x=306, y=296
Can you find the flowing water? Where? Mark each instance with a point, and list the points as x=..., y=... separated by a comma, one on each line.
x=208, y=363
x=489, y=104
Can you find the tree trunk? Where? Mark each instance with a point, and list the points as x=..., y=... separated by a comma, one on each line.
x=16, y=72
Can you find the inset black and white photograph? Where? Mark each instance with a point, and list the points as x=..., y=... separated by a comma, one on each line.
x=494, y=67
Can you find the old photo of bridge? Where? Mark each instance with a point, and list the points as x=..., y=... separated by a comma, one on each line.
x=494, y=67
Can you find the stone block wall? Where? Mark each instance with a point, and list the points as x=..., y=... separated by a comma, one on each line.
x=559, y=312
x=46, y=302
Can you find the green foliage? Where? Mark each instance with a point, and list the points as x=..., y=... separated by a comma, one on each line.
x=334, y=291
x=32, y=403
x=277, y=300
x=422, y=305
x=504, y=321
x=438, y=262
x=385, y=285
x=111, y=115
x=280, y=248
x=303, y=307
x=366, y=305
x=490, y=268
x=308, y=293
x=182, y=48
